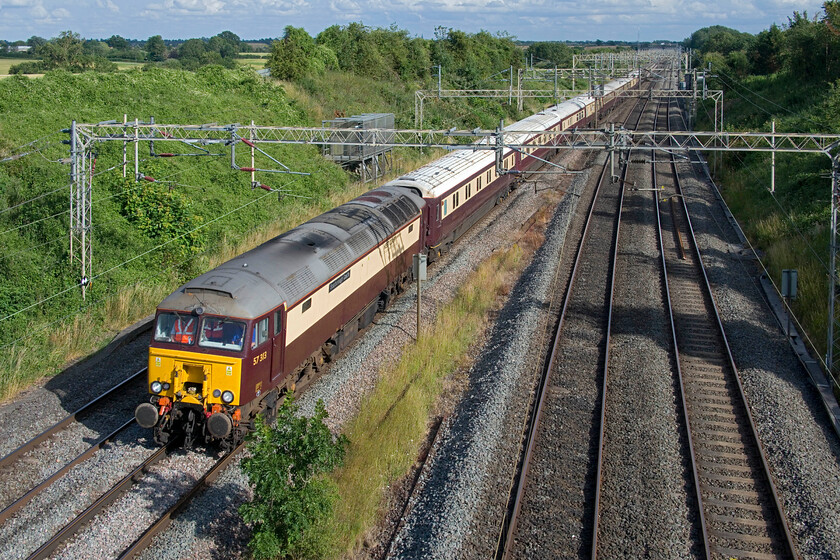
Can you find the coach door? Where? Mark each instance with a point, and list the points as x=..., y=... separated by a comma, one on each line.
x=279, y=344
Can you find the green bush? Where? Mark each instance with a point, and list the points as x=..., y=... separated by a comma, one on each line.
x=163, y=215
x=286, y=469
x=29, y=67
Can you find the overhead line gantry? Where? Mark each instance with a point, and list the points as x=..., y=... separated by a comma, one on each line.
x=616, y=141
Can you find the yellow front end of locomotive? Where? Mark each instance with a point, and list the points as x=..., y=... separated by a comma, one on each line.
x=195, y=378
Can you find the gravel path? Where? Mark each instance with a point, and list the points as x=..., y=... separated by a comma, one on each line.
x=803, y=451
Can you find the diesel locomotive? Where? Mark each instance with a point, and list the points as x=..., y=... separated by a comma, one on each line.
x=226, y=345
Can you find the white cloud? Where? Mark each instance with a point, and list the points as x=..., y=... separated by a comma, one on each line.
x=19, y=3
x=108, y=5
x=185, y=8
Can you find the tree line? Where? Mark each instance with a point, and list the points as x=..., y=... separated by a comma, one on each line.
x=374, y=52
x=808, y=46
x=69, y=51
x=467, y=58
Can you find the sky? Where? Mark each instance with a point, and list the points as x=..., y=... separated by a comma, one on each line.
x=534, y=20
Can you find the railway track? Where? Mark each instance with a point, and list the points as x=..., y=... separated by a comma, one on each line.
x=545, y=506
x=56, y=428
x=16, y=457
x=78, y=522
x=618, y=411
x=144, y=540
x=740, y=512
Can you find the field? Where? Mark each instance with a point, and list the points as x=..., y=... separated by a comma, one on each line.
x=255, y=63
x=128, y=65
x=6, y=63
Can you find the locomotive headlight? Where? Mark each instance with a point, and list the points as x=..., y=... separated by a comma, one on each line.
x=166, y=386
x=216, y=393
x=157, y=387
x=227, y=397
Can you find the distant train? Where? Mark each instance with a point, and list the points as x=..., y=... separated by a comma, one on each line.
x=227, y=344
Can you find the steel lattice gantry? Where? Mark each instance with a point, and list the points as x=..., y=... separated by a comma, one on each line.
x=616, y=140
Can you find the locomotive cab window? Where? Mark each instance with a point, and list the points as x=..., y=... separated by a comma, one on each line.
x=222, y=333
x=260, y=333
x=175, y=327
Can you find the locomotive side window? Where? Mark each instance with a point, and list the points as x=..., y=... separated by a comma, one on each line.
x=278, y=326
x=172, y=327
x=260, y=333
x=218, y=332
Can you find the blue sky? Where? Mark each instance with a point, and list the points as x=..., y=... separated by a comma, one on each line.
x=524, y=19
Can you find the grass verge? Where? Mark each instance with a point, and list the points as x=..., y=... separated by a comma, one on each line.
x=386, y=436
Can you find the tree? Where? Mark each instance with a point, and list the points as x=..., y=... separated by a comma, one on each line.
x=35, y=41
x=553, y=52
x=96, y=49
x=65, y=51
x=765, y=52
x=191, y=48
x=718, y=38
x=156, y=48
x=118, y=43
x=286, y=469
x=226, y=43
x=291, y=57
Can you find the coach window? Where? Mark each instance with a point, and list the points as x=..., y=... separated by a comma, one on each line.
x=478, y=184
x=469, y=190
x=455, y=201
x=489, y=171
x=260, y=333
